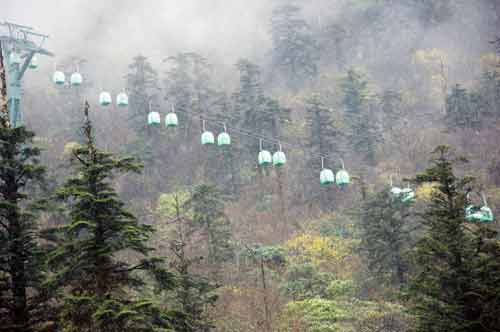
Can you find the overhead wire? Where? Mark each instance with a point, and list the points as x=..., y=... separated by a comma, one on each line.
x=244, y=132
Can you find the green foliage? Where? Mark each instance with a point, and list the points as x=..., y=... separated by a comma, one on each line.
x=341, y=288
x=98, y=287
x=322, y=315
x=303, y=281
x=271, y=256
x=317, y=315
x=24, y=301
x=451, y=289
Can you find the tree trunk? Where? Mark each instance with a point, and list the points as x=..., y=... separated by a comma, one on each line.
x=266, y=304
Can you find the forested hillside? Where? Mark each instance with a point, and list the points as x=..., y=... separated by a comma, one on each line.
x=237, y=166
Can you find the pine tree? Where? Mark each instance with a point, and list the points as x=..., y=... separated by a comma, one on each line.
x=386, y=238
x=23, y=298
x=295, y=52
x=99, y=290
x=452, y=287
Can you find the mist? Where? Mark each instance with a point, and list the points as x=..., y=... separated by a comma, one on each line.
x=366, y=111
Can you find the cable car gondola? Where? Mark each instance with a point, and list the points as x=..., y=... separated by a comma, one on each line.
x=326, y=175
x=223, y=139
x=342, y=177
x=477, y=214
x=279, y=157
x=207, y=137
x=265, y=158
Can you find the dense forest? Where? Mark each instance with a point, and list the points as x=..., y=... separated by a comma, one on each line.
x=251, y=166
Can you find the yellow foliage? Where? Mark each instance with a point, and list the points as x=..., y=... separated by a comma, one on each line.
x=490, y=62
x=167, y=203
x=70, y=147
x=431, y=57
x=424, y=191
x=330, y=253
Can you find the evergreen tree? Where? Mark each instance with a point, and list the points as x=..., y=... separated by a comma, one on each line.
x=295, y=52
x=24, y=301
x=462, y=108
x=363, y=133
x=386, y=238
x=452, y=287
x=100, y=290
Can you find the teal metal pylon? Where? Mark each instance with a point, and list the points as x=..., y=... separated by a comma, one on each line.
x=19, y=44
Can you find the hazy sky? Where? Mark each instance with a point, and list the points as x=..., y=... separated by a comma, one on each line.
x=119, y=29
x=110, y=32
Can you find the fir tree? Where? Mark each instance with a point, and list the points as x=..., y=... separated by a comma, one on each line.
x=386, y=238
x=452, y=287
x=23, y=297
x=100, y=290
x=294, y=50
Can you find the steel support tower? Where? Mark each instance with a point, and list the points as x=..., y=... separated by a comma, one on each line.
x=26, y=42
